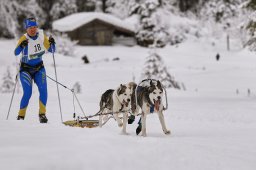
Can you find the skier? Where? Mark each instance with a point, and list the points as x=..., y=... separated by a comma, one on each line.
x=33, y=45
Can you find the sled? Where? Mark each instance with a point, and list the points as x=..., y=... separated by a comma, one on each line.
x=82, y=123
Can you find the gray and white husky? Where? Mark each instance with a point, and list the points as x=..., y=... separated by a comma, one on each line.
x=149, y=100
x=118, y=100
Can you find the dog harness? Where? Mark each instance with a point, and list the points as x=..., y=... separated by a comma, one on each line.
x=152, y=107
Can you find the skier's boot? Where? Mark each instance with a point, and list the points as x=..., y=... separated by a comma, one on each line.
x=20, y=118
x=43, y=118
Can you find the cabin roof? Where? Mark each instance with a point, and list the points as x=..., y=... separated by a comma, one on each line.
x=74, y=21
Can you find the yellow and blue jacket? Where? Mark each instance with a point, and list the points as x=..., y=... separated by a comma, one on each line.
x=38, y=59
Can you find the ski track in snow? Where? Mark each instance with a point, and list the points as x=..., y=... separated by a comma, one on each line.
x=212, y=127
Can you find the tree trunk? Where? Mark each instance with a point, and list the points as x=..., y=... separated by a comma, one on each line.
x=104, y=5
x=185, y=5
x=228, y=43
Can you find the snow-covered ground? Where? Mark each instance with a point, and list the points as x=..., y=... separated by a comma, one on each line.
x=212, y=126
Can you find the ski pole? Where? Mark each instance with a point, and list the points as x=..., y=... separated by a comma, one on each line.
x=16, y=80
x=57, y=83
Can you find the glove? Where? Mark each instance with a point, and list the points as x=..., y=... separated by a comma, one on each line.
x=51, y=40
x=24, y=43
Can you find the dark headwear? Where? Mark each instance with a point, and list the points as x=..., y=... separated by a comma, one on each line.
x=30, y=22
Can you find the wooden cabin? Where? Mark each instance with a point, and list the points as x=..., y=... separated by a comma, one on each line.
x=92, y=28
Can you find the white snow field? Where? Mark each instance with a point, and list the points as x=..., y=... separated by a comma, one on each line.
x=213, y=127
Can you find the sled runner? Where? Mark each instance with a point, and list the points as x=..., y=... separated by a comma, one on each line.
x=82, y=123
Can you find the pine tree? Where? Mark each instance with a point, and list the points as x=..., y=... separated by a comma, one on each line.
x=250, y=26
x=8, y=84
x=8, y=23
x=63, y=8
x=153, y=30
x=119, y=8
x=13, y=14
x=46, y=6
x=29, y=8
x=222, y=11
x=65, y=45
x=222, y=17
x=185, y=5
x=87, y=5
x=155, y=69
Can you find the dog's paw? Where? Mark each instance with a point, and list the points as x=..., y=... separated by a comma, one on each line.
x=131, y=119
x=100, y=124
x=144, y=134
x=125, y=133
x=167, y=132
x=138, y=130
x=120, y=124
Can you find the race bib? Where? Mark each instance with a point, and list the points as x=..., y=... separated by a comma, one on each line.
x=36, y=47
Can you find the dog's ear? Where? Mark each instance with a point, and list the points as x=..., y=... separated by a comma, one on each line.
x=121, y=89
x=159, y=85
x=151, y=83
x=130, y=85
x=134, y=86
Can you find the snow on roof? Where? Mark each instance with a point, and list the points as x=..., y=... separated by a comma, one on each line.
x=76, y=20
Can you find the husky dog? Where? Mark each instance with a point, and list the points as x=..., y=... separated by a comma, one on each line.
x=149, y=100
x=114, y=101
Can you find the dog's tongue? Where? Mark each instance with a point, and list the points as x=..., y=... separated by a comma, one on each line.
x=157, y=104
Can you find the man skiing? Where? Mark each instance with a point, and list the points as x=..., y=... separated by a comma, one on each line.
x=33, y=45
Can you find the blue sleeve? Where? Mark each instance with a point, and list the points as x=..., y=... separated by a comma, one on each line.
x=18, y=50
x=52, y=48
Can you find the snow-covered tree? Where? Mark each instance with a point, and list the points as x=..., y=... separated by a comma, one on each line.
x=119, y=8
x=221, y=10
x=161, y=22
x=29, y=8
x=7, y=23
x=153, y=28
x=64, y=45
x=186, y=5
x=87, y=5
x=154, y=68
x=8, y=84
x=46, y=6
x=63, y=8
x=221, y=16
x=250, y=26
x=13, y=14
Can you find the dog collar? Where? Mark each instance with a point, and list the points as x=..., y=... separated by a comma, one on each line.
x=152, y=108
